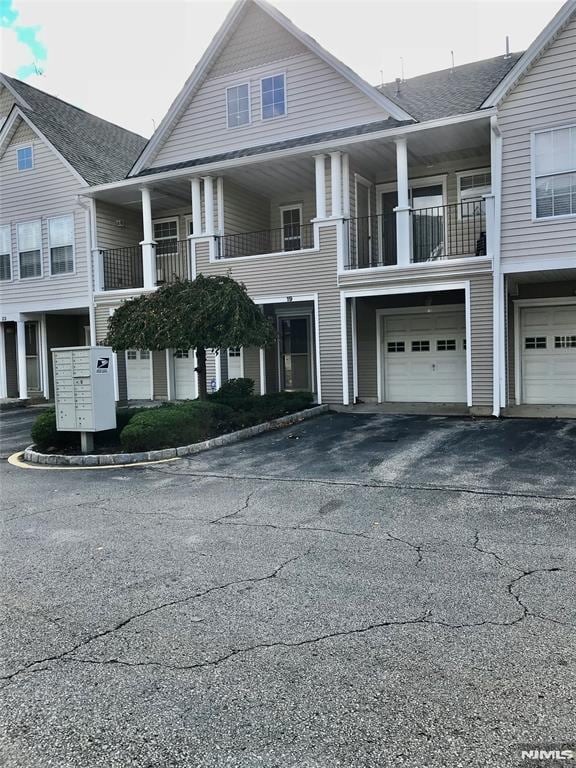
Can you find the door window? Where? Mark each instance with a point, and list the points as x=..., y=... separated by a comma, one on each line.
x=295, y=352
x=291, y=232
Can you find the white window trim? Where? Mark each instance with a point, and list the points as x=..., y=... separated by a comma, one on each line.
x=167, y=220
x=73, y=270
x=294, y=207
x=539, y=219
x=29, y=146
x=462, y=174
x=239, y=85
x=11, y=279
x=41, y=275
x=275, y=117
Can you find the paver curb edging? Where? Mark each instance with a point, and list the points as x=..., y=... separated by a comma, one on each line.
x=111, y=459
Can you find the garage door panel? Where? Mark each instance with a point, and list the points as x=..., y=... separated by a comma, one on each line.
x=424, y=358
x=548, y=361
x=184, y=375
x=138, y=374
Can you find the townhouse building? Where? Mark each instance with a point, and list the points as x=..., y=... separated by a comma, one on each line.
x=412, y=243
x=50, y=154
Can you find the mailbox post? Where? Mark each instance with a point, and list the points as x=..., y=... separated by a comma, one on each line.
x=84, y=391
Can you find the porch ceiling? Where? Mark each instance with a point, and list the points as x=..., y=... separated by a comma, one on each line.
x=544, y=276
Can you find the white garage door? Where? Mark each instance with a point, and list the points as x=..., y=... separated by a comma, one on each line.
x=425, y=358
x=138, y=374
x=235, y=363
x=184, y=375
x=548, y=345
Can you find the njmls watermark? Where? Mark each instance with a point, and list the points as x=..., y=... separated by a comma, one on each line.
x=546, y=755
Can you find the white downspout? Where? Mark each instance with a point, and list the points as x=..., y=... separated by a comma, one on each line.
x=498, y=332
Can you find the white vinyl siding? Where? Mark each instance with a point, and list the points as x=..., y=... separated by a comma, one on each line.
x=61, y=244
x=554, y=169
x=5, y=253
x=29, y=249
x=238, y=105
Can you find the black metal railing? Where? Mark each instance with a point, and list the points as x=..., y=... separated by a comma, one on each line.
x=172, y=261
x=292, y=237
x=122, y=268
x=449, y=231
x=371, y=241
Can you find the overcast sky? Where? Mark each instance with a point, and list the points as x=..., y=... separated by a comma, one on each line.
x=126, y=60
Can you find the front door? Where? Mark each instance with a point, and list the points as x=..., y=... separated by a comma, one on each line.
x=295, y=353
x=387, y=234
x=32, y=356
x=428, y=226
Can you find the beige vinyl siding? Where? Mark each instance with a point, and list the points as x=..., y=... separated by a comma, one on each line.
x=318, y=99
x=256, y=40
x=292, y=275
x=244, y=211
x=46, y=190
x=252, y=366
x=6, y=102
x=481, y=293
x=544, y=98
x=306, y=198
x=110, y=234
x=10, y=339
x=23, y=134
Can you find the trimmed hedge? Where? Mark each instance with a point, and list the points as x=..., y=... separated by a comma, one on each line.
x=173, y=425
x=45, y=435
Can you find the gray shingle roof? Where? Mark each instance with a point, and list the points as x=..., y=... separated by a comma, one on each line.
x=100, y=151
x=450, y=91
x=301, y=141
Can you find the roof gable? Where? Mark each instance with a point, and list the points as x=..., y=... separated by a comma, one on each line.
x=540, y=44
x=218, y=61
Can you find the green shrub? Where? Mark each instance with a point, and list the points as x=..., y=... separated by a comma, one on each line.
x=45, y=435
x=278, y=404
x=235, y=388
x=173, y=425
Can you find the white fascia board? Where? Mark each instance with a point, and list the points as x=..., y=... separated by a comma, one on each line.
x=16, y=113
x=14, y=92
x=190, y=87
x=531, y=54
x=201, y=170
x=213, y=51
x=369, y=90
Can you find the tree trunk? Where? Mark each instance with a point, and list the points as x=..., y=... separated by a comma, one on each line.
x=201, y=369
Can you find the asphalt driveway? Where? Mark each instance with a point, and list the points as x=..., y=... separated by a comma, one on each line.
x=354, y=591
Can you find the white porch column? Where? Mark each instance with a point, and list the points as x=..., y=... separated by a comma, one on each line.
x=148, y=251
x=196, y=206
x=209, y=204
x=44, y=367
x=3, y=379
x=344, y=350
x=320, y=170
x=346, y=185
x=336, y=183
x=21, y=360
x=403, y=238
x=220, y=203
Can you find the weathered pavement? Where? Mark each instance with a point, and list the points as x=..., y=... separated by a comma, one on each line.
x=355, y=591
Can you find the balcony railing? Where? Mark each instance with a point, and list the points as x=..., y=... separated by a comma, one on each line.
x=172, y=261
x=440, y=232
x=122, y=268
x=293, y=237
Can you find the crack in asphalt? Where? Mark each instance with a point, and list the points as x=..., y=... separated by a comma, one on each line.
x=418, y=548
x=236, y=511
x=177, y=601
x=370, y=484
x=500, y=560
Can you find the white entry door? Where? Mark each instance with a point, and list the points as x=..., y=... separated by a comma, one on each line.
x=138, y=374
x=425, y=358
x=184, y=375
x=548, y=349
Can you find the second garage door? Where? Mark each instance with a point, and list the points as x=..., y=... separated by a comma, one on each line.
x=548, y=349
x=138, y=374
x=424, y=357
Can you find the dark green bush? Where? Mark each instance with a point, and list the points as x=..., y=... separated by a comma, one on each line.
x=45, y=435
x=235, y=388
x=173, y=425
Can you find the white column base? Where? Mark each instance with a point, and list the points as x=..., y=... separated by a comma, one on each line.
x=149, y=263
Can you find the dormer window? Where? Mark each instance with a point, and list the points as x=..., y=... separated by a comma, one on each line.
x=238, y=105
x=273, y=93
x=25, y=158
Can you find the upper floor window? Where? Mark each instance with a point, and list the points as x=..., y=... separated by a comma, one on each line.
x=25, y=158
x=472, y=186
x=273, y=96
x=554, y=169
x=166, y=235
x=238, y=105
x=5, y=253
x=30, y=249
x=61, y=242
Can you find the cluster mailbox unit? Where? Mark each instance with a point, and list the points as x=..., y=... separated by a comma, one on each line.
x=84, y=391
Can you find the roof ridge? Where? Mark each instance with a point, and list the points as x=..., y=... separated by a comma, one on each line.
x=451, y=69
x=72, y=106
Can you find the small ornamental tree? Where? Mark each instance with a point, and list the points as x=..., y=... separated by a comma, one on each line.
x=206, y=313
